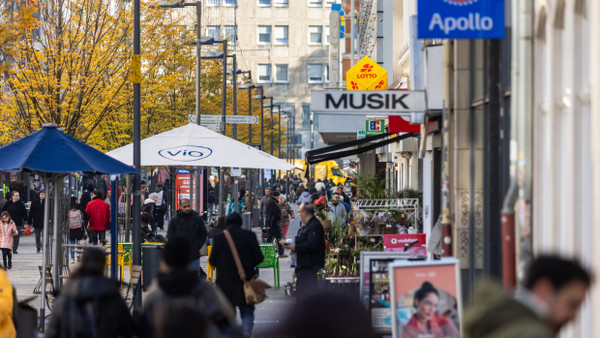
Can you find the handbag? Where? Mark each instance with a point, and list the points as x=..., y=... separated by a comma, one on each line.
x=254, y=289
x=27, y=230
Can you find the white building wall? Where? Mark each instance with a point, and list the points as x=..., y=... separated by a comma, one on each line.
x=566, y=188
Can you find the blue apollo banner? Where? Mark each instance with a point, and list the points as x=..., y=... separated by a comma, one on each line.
x=460, y=19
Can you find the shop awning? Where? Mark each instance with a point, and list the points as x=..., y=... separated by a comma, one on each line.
x=354, y=147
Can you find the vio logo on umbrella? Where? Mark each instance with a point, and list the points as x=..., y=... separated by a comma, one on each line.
x=186, y=153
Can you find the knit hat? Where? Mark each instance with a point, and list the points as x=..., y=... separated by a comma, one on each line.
x=275, y=194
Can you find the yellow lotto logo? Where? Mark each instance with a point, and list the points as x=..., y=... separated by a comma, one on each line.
x=366, y=75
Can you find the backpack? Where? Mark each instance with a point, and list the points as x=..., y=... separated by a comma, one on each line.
x=75, y=219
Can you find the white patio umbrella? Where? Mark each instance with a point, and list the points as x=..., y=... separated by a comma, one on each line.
x=194, y=145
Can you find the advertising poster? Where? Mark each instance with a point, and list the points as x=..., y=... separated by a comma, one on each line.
x=381, y=317
x=425, y=298
x=413, y=243
x=182, y=186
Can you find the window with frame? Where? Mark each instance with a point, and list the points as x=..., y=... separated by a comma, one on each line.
x=326, y=67
x=281, y=3
x=214, y=3
x=282, y=73
x=213, y=31
x=315, y=3
x=315, y=73
x=305, y=115
x=264, y=72
x=315, y=35
x=230, y=33
x=229, y=2
x=328, y=3
x=264, y=3
x=327, y=35
x=264, y=35
x=281, y=35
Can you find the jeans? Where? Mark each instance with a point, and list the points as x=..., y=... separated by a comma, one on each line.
x=39, y=232
x=247, y=315
x=72, y=241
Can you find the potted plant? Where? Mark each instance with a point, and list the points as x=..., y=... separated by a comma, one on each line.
x=322, y=212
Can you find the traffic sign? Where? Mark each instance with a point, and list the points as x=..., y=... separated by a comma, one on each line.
x=241, y=119
x=218, y=127
x=366, y=75
x=211, y=119
x=361, y=134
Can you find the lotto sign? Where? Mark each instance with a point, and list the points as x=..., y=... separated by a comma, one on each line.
x=375, y=127
x=461, y=19
x=366, y=75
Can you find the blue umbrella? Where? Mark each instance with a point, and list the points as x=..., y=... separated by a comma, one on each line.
x=53, y=154
x=49, y=150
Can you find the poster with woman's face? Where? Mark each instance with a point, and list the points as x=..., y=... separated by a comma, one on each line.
x=425, y=299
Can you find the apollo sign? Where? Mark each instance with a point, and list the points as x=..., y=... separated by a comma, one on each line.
x=368, y=102
x=185, y=153
x=461, y=19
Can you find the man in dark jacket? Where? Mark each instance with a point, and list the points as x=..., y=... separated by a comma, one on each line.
x=273, y=221
x=176, y=285
x=99, y=217
x=86, y=197
x=18, y=213
x=310, y=249
x=189, y=224
x=36, y=219
x=228, y=278
x=262, y=214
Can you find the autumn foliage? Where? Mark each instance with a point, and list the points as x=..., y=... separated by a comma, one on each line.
x=68, y=63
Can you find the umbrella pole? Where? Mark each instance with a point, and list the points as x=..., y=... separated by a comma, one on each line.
x=57, y=256
x=44, y=257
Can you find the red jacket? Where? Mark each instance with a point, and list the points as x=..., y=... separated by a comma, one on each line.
x=99, y=214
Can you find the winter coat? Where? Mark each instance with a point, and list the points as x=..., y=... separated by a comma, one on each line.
x=99, y=215
x=183, y=287
x=6, y=236
x=228, y=278
x=263, y=206
x=8, y=307
x=150, y=207
x=190, y=226
x=310, y=245
x=90, y=307
x=36, y=214
x=338, y=213
x=17, y=211
x=86, y=198
x=286, y=213
x=241, y=206
x=495, y=314
x=304, y=198
x=273, y=213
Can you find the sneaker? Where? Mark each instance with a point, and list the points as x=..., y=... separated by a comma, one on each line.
x=9, y=266
x=15, y=252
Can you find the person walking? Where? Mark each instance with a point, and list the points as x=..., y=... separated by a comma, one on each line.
x=263, y=204
x=75, y=220
x=86, y=197
x=36, y=219
x=18, y=213
x=161, y=207
x=90, y=305
x=273, y=222
x=228, y=277
x=287, y=213
x=241, y=203
x=187, y=223
x=178, y=284
x=8, y=231
x=309, y=247
x=304, y=197
x=99, y=217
